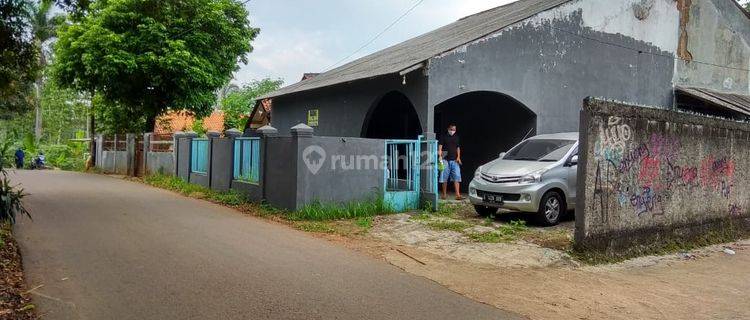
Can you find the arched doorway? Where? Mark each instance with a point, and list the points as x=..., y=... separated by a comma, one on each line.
x=392, y=117
x=488, y=123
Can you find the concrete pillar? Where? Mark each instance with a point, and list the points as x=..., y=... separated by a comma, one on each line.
x=130, y=154
x=146, y=149
x=212, y=136
x=301, y=136
x=175, y=151
x=266, y=132
x=99, y=151
x=189, y=135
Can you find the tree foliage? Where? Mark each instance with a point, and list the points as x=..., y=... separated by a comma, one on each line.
x=144, y=57
x=65, y=112
x=238, y=104
x=18, y=56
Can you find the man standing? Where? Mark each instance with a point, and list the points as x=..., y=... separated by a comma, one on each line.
x=19, y=158
x=449, y=147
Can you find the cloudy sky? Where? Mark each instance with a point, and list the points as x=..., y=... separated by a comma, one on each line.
x=310, y=36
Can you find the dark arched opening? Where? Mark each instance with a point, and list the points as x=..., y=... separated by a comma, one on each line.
x=392, y=117
x=488, y=123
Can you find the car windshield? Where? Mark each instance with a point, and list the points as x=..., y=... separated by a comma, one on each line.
x=545, y=150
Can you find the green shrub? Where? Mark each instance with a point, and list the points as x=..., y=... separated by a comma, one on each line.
x=11, y=196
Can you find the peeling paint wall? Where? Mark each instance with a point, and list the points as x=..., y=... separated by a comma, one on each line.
x=617, y=49
x=649, y=175
x=718, y=34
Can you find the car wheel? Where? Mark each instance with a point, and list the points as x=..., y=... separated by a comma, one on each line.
x=485, y=211
x=551, y=209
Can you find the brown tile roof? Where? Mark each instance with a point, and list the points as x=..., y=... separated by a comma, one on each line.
x=183, y=121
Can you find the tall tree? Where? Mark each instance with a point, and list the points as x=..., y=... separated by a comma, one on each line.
x=43, y=27
x=18, y=56
x=238, y=104
x=144, y=57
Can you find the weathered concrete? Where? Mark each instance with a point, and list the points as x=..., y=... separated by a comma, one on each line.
x=114, y=162
x=160, y=162
x=549, y=63
x=716, y=34
x=652, y=174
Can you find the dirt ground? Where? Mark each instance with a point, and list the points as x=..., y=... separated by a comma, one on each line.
x=546, y=283
x=15, y=303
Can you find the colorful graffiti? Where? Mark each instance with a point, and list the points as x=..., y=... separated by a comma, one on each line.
x=644, y=173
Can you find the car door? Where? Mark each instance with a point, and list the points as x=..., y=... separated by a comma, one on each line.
x=571, y=168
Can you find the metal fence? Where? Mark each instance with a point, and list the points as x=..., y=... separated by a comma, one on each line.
x=199, y=156
x=247, y=159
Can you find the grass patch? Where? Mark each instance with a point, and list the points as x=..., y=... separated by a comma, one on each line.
x=364, y=223
x=448, y=225
x=488, y=237
x=505, y=233
x=314, y=226
x=229, y=198
x=319, y=211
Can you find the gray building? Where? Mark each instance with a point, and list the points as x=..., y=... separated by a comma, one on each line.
x=524, y=69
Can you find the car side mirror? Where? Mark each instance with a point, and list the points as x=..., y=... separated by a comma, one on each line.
x=502, y=155
x=573, y=161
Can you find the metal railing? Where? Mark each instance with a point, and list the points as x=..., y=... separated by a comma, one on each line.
x=247, y=159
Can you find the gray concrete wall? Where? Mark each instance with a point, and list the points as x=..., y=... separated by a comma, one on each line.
x=199, y=179
x=718, y=33
x=253, y=192
x=280, y=180
x=546, y=63
x=222, y=162
x=183, y=158
x=349, y=169
x=114, y=162
x=653, y=174
x=343, y=108
x=160, y=163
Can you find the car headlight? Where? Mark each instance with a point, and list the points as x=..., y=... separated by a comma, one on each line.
x=478, y=172
x=531, y=178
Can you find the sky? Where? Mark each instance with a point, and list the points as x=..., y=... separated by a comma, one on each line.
x=310, y=36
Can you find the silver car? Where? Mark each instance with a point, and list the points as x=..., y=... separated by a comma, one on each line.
x=538, y=175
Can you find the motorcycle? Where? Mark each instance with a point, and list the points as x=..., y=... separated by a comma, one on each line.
x=39, y=163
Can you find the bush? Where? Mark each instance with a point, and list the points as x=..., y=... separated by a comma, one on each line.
x=65, y=157
x=10, y=195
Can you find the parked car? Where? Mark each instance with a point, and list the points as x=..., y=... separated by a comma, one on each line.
x=538, y=175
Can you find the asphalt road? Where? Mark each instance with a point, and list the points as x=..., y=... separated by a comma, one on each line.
x=104, y=248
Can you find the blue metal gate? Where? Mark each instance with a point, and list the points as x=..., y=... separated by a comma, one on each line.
x=429, y=174
x=402, y=174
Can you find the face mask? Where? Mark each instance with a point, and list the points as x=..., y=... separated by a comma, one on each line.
x=451, y=132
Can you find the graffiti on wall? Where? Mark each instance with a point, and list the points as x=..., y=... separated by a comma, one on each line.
x=644, y=172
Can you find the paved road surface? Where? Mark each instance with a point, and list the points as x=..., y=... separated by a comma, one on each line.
x=105, y=248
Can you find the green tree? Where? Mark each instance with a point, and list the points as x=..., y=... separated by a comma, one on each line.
x=144, y=57
x=238, y=104
x=65, y=112
x=43, y=27
x=18, y=57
